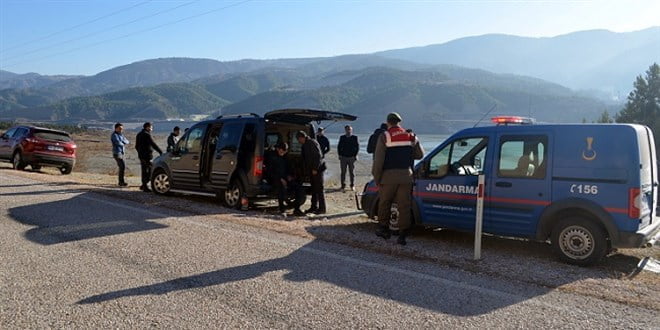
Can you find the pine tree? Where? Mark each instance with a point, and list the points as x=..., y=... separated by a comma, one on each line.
x=643, y=106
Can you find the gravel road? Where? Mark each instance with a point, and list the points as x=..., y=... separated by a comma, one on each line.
x=79, y=259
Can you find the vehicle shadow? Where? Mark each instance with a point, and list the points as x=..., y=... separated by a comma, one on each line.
x=81, y=217
x=413, y=282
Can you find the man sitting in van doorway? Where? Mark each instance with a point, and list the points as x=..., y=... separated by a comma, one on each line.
x=283, y=181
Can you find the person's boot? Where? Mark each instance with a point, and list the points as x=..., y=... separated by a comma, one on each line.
x=384, y=232
x=402, y=237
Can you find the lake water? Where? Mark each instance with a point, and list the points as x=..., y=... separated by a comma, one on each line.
x=428, y=141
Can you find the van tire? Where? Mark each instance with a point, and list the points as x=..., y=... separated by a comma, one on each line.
x=161, y=182
x=231, y=197
x=579, y=241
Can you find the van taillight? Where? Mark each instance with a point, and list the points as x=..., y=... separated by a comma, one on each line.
x=258, y=166
x=634, y=202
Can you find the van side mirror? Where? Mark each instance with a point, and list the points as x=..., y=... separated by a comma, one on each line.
x=422, y=170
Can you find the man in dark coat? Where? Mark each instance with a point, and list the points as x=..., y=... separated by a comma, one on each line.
x=173, y=139
x=314, y=167
x=373, y=139
x=348, y=149
x=145, y=146
x=323, y=141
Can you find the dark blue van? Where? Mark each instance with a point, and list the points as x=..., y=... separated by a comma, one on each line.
x=588, y=188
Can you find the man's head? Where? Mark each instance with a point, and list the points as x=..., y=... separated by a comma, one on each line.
x=349, y=130
x=301, y=136
x=119, y=127
x=148, y=126
x=282, y=148
x=383, y=126
x=393, y=119
x=176, y=130
x=319, y=131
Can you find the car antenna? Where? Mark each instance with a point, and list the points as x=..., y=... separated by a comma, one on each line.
x=486, y=114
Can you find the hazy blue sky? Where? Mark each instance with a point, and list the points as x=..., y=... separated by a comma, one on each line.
x=89, y=36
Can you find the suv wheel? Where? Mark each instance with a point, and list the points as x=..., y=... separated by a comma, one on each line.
x=66, y=169
x=17, y=161
x=231, y=197
x=579, y=241
x=160, y=183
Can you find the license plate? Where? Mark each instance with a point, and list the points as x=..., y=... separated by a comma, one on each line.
x=54, y=148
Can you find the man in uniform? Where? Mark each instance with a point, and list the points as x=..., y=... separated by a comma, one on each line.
x=395, y=151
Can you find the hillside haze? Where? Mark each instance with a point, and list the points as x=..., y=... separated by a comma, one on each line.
x=589, y=60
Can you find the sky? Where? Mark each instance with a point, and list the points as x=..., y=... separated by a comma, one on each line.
x=85, y=37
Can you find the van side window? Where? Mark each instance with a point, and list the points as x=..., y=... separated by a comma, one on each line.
x=230, y=135
x=522, y=157
x=461, y=157
x=194, y=140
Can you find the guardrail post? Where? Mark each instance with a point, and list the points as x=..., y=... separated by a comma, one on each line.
x=479, y=216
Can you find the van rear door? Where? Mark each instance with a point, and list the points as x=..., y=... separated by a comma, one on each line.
x=306, y=116
x=648, y=171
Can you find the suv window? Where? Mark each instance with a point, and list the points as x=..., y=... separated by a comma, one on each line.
x=20, y=132
x=230, y=135
x=10, y=132
x=522, y=156
x=461, y=157
x=52, y=135
x=194, y=140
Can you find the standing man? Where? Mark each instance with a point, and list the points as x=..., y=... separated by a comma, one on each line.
x=395, y=151
x=173, y=138
x=371, y=145
x=118, y=142
x=348, y=149
x=145, y=146
x=323, y=141
x=314, y=166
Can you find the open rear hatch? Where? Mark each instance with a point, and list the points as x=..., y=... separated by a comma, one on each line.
x=306, y=116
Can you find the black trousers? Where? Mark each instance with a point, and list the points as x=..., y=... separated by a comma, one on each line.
x=121, y=165
x=318, y=194
x=145, y=165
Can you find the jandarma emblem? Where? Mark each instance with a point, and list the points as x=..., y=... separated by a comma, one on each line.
x=589, y=153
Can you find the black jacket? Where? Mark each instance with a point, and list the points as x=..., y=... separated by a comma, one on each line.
x=324, y=143
x=348, y=146
x=373, y=140
x=145, y=145
x=312, y=156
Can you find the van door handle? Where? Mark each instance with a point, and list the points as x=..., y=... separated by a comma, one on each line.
x=503, y=184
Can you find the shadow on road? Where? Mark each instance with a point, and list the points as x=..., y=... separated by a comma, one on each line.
x=421, y=284
x=81, y=217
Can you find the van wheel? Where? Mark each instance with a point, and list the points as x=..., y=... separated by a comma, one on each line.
x=66, y=169
x=231, y=197
x=36, y=167
x=579, y=241
x=160, y=183
x=17, y=161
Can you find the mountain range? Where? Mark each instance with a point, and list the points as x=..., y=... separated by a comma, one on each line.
x=431, y=86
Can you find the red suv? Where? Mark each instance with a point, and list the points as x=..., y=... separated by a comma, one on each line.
x=37, y=147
